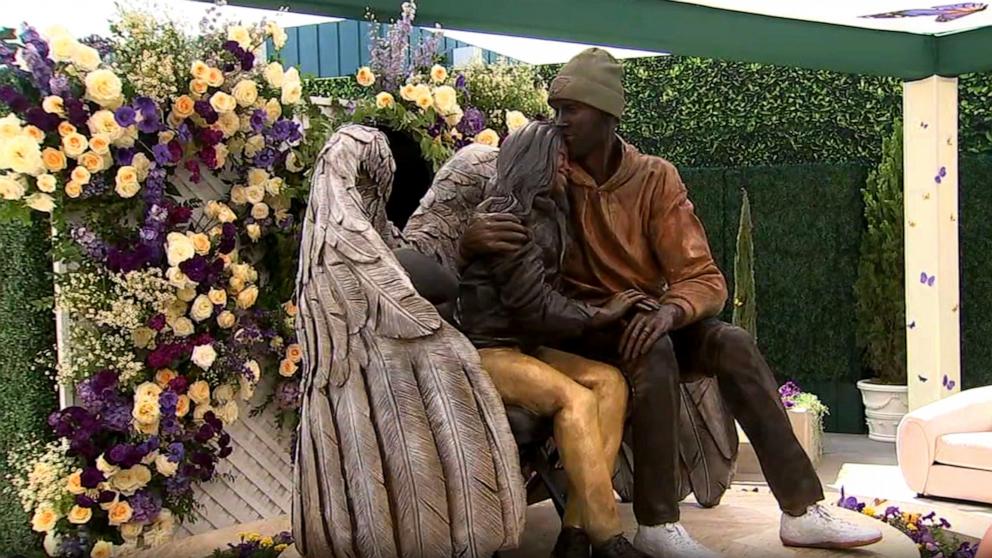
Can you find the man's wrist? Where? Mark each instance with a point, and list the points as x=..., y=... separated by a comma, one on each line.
x=672, y=312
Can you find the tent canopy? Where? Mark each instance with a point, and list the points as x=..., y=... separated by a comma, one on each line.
x=909, y=39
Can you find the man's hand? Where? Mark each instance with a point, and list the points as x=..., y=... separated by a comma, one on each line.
x=646, y=329
x=492, y=233
x=618, y=306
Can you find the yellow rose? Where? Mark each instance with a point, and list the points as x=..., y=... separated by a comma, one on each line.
x=515, y=119
x=199, y=392
x=293, y=163
x=11, y=187
x=294, y=353
x=86, y=57
x=202, y=308
x=384, y=100
x=224, y=393
x=292, y=93
x=182, y=327
x=226, y=319
x=277, y=33
x=439, y=74
x=453, y=118
x=143, y=337
x=175, y=308
x=22, y=154
x=80, y=175
x=201, y=243
x=425, y=101
x=239, y=35
x=198, y=86
x=184, y=106
x=217, y=296
x=147, y=390
x=273, y=110
x=127, y=137
x=408, y=92
x=238, y=195
x=274, y=74
x=146, y=411
x=215, y=77
x=92, y=162
x=259, y=211
x=74, y=482
x=40, y=202
x=103, y=87
x=73, y=189
x=245, y=92
x=488, y=137
x=53, y=104
x=62, y=47
x=164, y=376
x=257, y=177
x=142, y=164
x=165, y=467
x=254, y=144
x=229, y=124
x=102, y=549
x=222, y=102
x=179, y=248
x=100, y=144
x=120, y=513
x=228, y=412
x=445, y=99
x=290, y=308
x=237, y=284
x=142, y=474
x=103, y=122
x=225, y=215
x=199, y=70
x=79, y=515
x=44, y=519
x=10, y=126
x=287, y=368
x=365, y=77
x=254, y=232
x=246, y=298
x=131, y=531
x=182, y=406
x=273, y=186
x=53, y=159
x=127, y=182
x=34, y=133
x=65, y=129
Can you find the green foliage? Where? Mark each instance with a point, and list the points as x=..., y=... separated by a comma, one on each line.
x=975, y=230
x=495, y=88
x=745, y=305
x=26, y=394
x=880, y=287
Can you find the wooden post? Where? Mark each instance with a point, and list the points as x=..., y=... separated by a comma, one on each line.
x=933, y=338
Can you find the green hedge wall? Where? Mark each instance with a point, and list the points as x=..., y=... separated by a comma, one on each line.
x=27, y=396
x=975, y=236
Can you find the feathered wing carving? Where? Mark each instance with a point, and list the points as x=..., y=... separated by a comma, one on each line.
x=708, y=450
x=444, y=212
x=404, y=447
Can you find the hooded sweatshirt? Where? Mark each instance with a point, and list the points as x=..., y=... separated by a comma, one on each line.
x=639, y=231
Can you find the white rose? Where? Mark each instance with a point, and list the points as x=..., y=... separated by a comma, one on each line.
x=40, y=202
x=254, y=232
x=202, y=308
x=245, y=92
x=228, y=413
x=165, y=467
x=203, y=356
x=445, y=99
x=515, y=119
x=292, y=92
x=182, y=327
x=179, y=248
x=259, y=211
x=274, y=74
x=86, y=57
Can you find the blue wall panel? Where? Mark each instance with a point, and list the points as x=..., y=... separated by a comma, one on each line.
x=309, y=53
x=327, y=50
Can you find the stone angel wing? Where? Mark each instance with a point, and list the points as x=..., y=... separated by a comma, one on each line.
x=404, y=447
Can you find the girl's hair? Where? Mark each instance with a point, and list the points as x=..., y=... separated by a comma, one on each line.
x=525, y=169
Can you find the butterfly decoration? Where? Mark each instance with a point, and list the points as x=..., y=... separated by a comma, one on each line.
x=922, y=378
x=911, y=325
x=949, y=383
x=923, y=125
x=940, y=175
x=927, y=280
x=7, y=34
x=943, y=14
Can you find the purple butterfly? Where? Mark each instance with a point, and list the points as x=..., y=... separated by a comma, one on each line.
x=927, y=280
x=922, y=378
x=924, y=125
x=940, y=175
x=948, y=383
x=912, y=325
x=944, y=13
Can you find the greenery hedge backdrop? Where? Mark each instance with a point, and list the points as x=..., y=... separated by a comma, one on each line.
x=800, y=141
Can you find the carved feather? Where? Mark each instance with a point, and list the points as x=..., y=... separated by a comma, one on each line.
x=709, y=472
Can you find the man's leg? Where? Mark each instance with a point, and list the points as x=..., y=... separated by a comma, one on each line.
x=749, y=389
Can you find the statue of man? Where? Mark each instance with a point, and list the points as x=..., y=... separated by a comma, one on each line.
x=635, y=228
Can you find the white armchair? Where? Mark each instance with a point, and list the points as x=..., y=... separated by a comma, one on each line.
x=945, y=448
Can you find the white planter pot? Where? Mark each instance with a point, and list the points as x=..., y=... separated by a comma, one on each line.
x=885, y=406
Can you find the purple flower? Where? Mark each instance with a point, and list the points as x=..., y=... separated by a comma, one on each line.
x=258, y=119
x=116, y=414
x=46, y=121
x=13, y=99
x=247, y=61
x=167, y=401
x=209, y=136
x=157, y=322
x=125, y=155
x=76, y=111
x=183, y=133
x=60, y=85
x=473, y=122
x=195, y=268
x=175, y=452
x=39, y=66
x=206, y=111
x=71, y=547
x=179, y=384
x=164, y=354
x=106, y=496
x=146, y=506
x=233, y=47
x=461, y=82
x=85, y=501
x=194, y=170
x=118, y=454
x=208, y=155
x=161, y=153
x=125, y=116
x=288, y=395
x=91, y=477
x=265, y=158
x=179, y=214
x=169, y=425
x=224, y=452
x=178, y=485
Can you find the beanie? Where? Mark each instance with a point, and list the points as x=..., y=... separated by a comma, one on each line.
x=593, y=77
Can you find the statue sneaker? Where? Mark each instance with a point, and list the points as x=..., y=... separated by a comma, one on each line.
x=817, y=528
x=669, y=540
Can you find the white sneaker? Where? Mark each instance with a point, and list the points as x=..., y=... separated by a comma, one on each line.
x=669, y=540
x=818, y=529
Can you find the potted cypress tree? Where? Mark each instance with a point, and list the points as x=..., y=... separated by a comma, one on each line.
x=880, y=294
